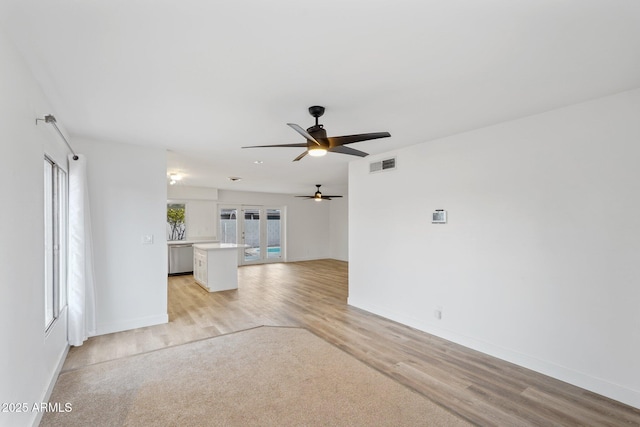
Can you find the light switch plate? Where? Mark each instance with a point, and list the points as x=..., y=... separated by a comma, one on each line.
x=147, y=239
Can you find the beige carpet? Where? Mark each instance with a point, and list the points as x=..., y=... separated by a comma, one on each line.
x=260, y=377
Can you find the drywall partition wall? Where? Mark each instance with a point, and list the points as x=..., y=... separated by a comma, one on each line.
x=29, y=357
x=307, y=222
x=539, y=262
x=128, y=195
x=187, y=192
x=339, y=228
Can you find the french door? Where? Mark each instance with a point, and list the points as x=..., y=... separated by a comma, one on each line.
x=259, y=227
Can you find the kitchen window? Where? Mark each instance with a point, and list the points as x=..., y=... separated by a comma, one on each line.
x=176, y=227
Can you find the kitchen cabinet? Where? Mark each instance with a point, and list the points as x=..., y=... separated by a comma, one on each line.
x=180, y=253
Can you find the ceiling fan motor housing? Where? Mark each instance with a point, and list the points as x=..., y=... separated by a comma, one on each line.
x=320, y=134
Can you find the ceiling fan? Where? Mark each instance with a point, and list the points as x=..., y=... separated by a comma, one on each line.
x=318, y=195
x=318, y=143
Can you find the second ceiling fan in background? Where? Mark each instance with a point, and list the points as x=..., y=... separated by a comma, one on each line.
x=318, y=195
x=318, y=143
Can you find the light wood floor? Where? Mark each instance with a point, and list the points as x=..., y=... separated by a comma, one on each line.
x=313, y=295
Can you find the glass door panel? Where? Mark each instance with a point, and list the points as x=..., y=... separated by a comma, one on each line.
x=274, y=250
x=229, y=225
x=251, y=234
x=258, y=227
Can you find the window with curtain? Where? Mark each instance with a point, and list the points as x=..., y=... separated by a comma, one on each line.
x=55, y=241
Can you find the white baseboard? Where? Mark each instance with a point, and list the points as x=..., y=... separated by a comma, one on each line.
x=579, y=379
x=125, y=325
x=52, y=383
x=297, y=259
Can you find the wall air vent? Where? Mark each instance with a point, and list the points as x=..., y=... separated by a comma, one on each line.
x=382, y=165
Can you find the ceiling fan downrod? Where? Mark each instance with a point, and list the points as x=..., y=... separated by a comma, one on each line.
x=316, y=111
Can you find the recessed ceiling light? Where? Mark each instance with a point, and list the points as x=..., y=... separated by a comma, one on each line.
x=174, y=177
x=234, y=178
x=258, y=162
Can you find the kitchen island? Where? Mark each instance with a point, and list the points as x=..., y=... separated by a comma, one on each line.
x=215, y=265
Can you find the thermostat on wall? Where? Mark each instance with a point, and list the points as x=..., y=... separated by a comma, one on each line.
x=439, y=216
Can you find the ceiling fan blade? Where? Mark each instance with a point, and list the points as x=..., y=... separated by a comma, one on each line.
x=278, y=145
x=350, y=139
x=301, y=155
x=348, y=150
x=302, y=132
x=306, y=197
x=326, y=197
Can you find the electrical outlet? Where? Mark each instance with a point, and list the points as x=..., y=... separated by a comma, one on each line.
x=437, y=313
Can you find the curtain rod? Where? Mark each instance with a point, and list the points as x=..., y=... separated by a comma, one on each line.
x=52, y=120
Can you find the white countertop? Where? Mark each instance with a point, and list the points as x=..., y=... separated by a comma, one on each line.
x=215, y=246
x=189, y=242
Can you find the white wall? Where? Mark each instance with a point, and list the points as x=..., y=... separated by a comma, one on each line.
x=539, y=263
x=187, y=192
x=201, y=218
x=128, y=195
x=339, y=228
x=29, y=358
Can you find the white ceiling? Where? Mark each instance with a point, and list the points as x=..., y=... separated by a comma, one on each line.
x=203, y=78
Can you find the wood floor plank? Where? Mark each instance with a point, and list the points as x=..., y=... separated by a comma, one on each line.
x=313, y=294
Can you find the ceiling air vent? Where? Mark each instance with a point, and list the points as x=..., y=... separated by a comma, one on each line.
x=382, y=165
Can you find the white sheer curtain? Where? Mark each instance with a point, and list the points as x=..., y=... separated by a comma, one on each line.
x=82, y=303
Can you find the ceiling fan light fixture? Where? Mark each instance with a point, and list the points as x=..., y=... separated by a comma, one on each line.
x=317, y=151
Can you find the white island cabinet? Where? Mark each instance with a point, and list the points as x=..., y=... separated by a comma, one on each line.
x=215, y=265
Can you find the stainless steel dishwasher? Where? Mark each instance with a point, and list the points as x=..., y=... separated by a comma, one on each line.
x=180, y=258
